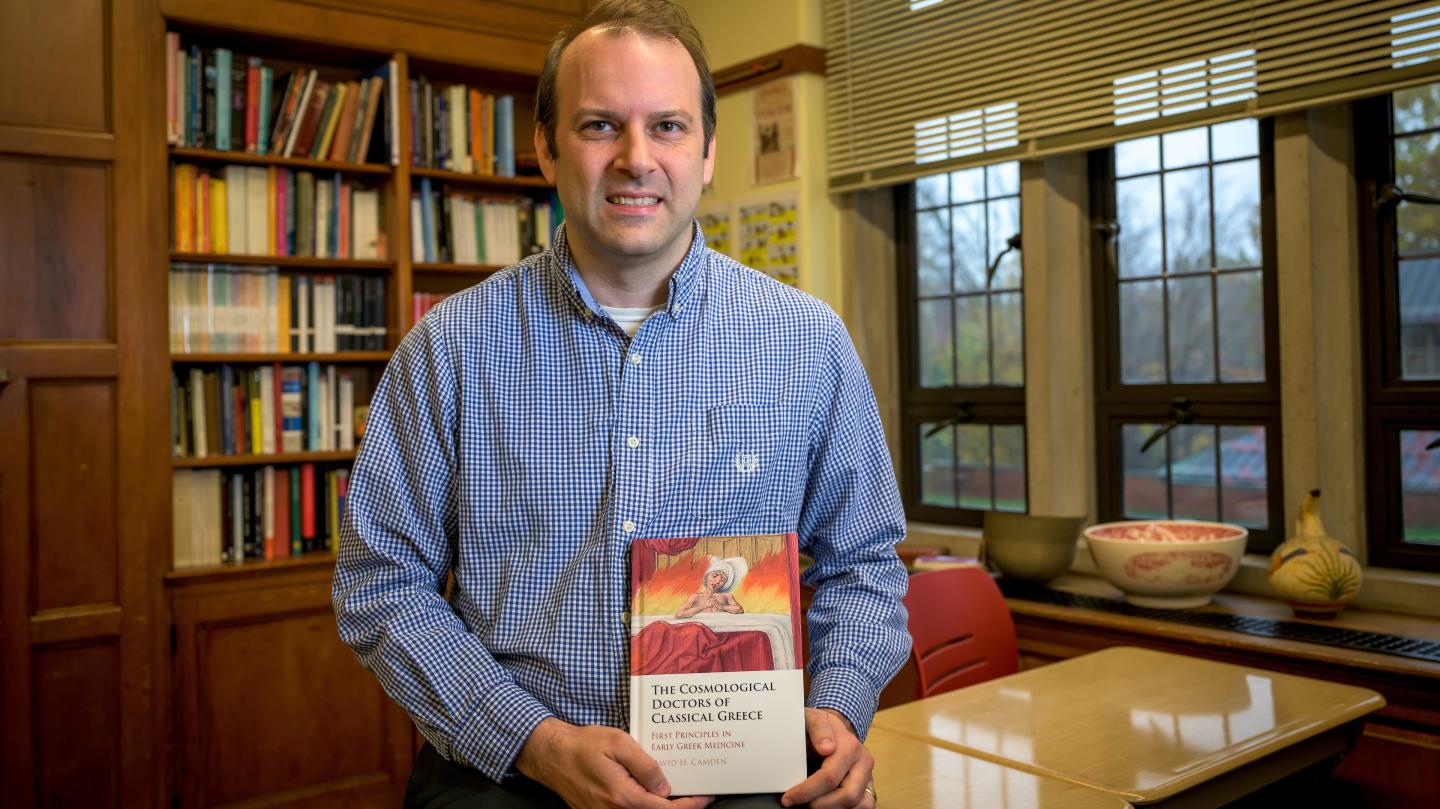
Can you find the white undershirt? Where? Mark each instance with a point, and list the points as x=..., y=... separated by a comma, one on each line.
x=630, y=319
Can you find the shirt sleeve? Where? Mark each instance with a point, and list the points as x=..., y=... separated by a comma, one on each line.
x=397, y=543
x=849, y=524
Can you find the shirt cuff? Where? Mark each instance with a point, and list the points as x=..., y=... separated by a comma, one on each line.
x=491, y=737
x=847, y=691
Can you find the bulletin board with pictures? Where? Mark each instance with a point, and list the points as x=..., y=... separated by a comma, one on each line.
x=769, y=239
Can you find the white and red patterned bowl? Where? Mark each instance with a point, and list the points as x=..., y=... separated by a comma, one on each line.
x=1171, y=564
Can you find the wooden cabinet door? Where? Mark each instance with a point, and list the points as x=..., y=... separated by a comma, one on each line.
x=272, y=707
x=79, y=564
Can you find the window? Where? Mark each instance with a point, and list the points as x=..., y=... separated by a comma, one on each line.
x=1187, y=390
x=963, y=373
x=1398, y=165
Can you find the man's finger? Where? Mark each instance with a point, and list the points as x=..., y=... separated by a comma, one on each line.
x=820, y=728
x=851, y=792
x=641, y=766
x=824, y=780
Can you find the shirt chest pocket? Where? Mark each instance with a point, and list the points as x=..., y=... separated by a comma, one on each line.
x=734, y=462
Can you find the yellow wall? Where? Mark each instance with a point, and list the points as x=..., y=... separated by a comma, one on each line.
x=736, y=31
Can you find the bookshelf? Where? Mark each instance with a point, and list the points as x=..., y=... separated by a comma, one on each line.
x=203, y=686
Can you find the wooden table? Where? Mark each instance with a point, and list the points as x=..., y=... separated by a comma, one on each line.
x=912, y=774
x=1145, y=726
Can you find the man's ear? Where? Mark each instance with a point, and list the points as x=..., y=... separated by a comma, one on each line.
x=709, y=160
x=542, y=151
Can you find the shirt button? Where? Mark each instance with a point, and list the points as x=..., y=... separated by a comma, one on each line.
x=634, y=357
x=632, y=442
x=629, y=526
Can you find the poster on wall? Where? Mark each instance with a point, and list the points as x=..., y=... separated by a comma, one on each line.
x=774, y=140
x=715, y=222
x=768, y=239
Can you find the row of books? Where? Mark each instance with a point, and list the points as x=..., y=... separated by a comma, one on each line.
x=221, y=516
x=422, y=302
x=217, y=99
x=461, y=129
x=270, y=211
x=228, y=308
x=268, y=409
x=447, y=226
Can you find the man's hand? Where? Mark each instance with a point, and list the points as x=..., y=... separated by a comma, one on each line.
x=844, y=778
x=595, y=767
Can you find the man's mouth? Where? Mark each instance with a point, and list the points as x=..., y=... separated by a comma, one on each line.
x=632, y=201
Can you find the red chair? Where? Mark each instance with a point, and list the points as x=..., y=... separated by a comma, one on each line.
x=962, y=630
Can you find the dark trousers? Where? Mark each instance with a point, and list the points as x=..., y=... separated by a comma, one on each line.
x=439, y=784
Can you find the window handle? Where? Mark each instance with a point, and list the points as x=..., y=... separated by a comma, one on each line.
x=964, y=414
x=1392, y=194
x=1182, y=412
x=1012, y=243
x=1110, y=232
x=1433, y=444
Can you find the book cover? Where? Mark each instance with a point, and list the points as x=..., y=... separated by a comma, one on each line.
x=716, y=690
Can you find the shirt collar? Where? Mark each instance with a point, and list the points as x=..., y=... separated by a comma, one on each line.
x=682, y=282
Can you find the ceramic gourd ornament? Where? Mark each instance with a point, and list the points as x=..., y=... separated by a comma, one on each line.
x=1312, y=571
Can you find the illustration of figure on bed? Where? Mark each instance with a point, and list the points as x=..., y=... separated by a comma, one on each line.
x=745, y=616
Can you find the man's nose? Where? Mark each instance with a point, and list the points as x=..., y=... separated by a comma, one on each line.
x=635, y=158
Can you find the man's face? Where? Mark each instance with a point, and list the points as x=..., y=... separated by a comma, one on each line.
x=630, y=141
x=715, y=580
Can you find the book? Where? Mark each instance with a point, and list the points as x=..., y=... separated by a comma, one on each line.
x=716, y=691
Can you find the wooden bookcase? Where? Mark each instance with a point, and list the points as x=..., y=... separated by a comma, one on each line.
x=126, y=682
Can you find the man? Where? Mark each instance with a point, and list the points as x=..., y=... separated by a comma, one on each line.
x=630, y=383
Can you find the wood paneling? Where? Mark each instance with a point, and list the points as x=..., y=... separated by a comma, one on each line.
x=273, y=707
x=72, y=451
x=54, y=233
x=77, y=724
x=54, y=57
x=535, y=20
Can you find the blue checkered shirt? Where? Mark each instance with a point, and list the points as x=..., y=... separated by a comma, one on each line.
x=521, y=440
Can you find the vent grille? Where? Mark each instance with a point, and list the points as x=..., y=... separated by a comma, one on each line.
x=1400, y=645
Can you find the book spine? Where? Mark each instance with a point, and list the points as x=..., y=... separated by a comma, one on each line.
x=222, y=98
x=505, y=136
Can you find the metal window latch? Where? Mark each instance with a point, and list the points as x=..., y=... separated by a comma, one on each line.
x=1012, y=243
x=1181, y=412
x=964, y=414
x=1392, y=194
x=1110, y=232
x=1433, y=444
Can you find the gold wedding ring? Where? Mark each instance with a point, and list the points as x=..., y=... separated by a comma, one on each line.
x=870, y=790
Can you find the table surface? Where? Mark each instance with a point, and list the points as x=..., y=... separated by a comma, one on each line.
x=1140, y=724
x=914, y=774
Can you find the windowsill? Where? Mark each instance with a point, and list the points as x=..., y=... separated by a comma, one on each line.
x=1381, y=590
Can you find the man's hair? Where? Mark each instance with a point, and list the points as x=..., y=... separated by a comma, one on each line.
x=654, y=19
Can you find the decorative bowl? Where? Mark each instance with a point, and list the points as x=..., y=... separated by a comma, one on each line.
x=1030, y=547
x=1170, y=564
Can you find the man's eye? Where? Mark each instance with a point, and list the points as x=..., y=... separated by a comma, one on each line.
x=595, y=126
x=670, y=127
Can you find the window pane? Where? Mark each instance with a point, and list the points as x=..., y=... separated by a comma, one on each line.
x=1137, y=156
x=937, y=466
x=972, y=350
x=1235, y=139
x=1144, y=492
x=1420, y=319
x=933, y=252
x=1137, y=203
x=1003, y=178
x=1004, y=223
x=1417, y=108
x=1187, y=220
x=1194, y=471
x=930, y=191
x=1142, y=357
x=937, y=345
x=969, y=224
x=1241, y=304
x=1192, y=334
x=1009, y=467
x=967, y=185
x=1417, y=168
x=1244, y=476
x=1187, y=147
x=1420, y=486
x=1007, y=341
x=1237, y=214
x=974, y=448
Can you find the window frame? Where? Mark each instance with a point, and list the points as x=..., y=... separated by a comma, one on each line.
x=1391, y=403
x=1219, y=403
x=992, y=404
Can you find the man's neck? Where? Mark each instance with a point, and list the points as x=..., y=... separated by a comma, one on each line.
x=621, y=283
